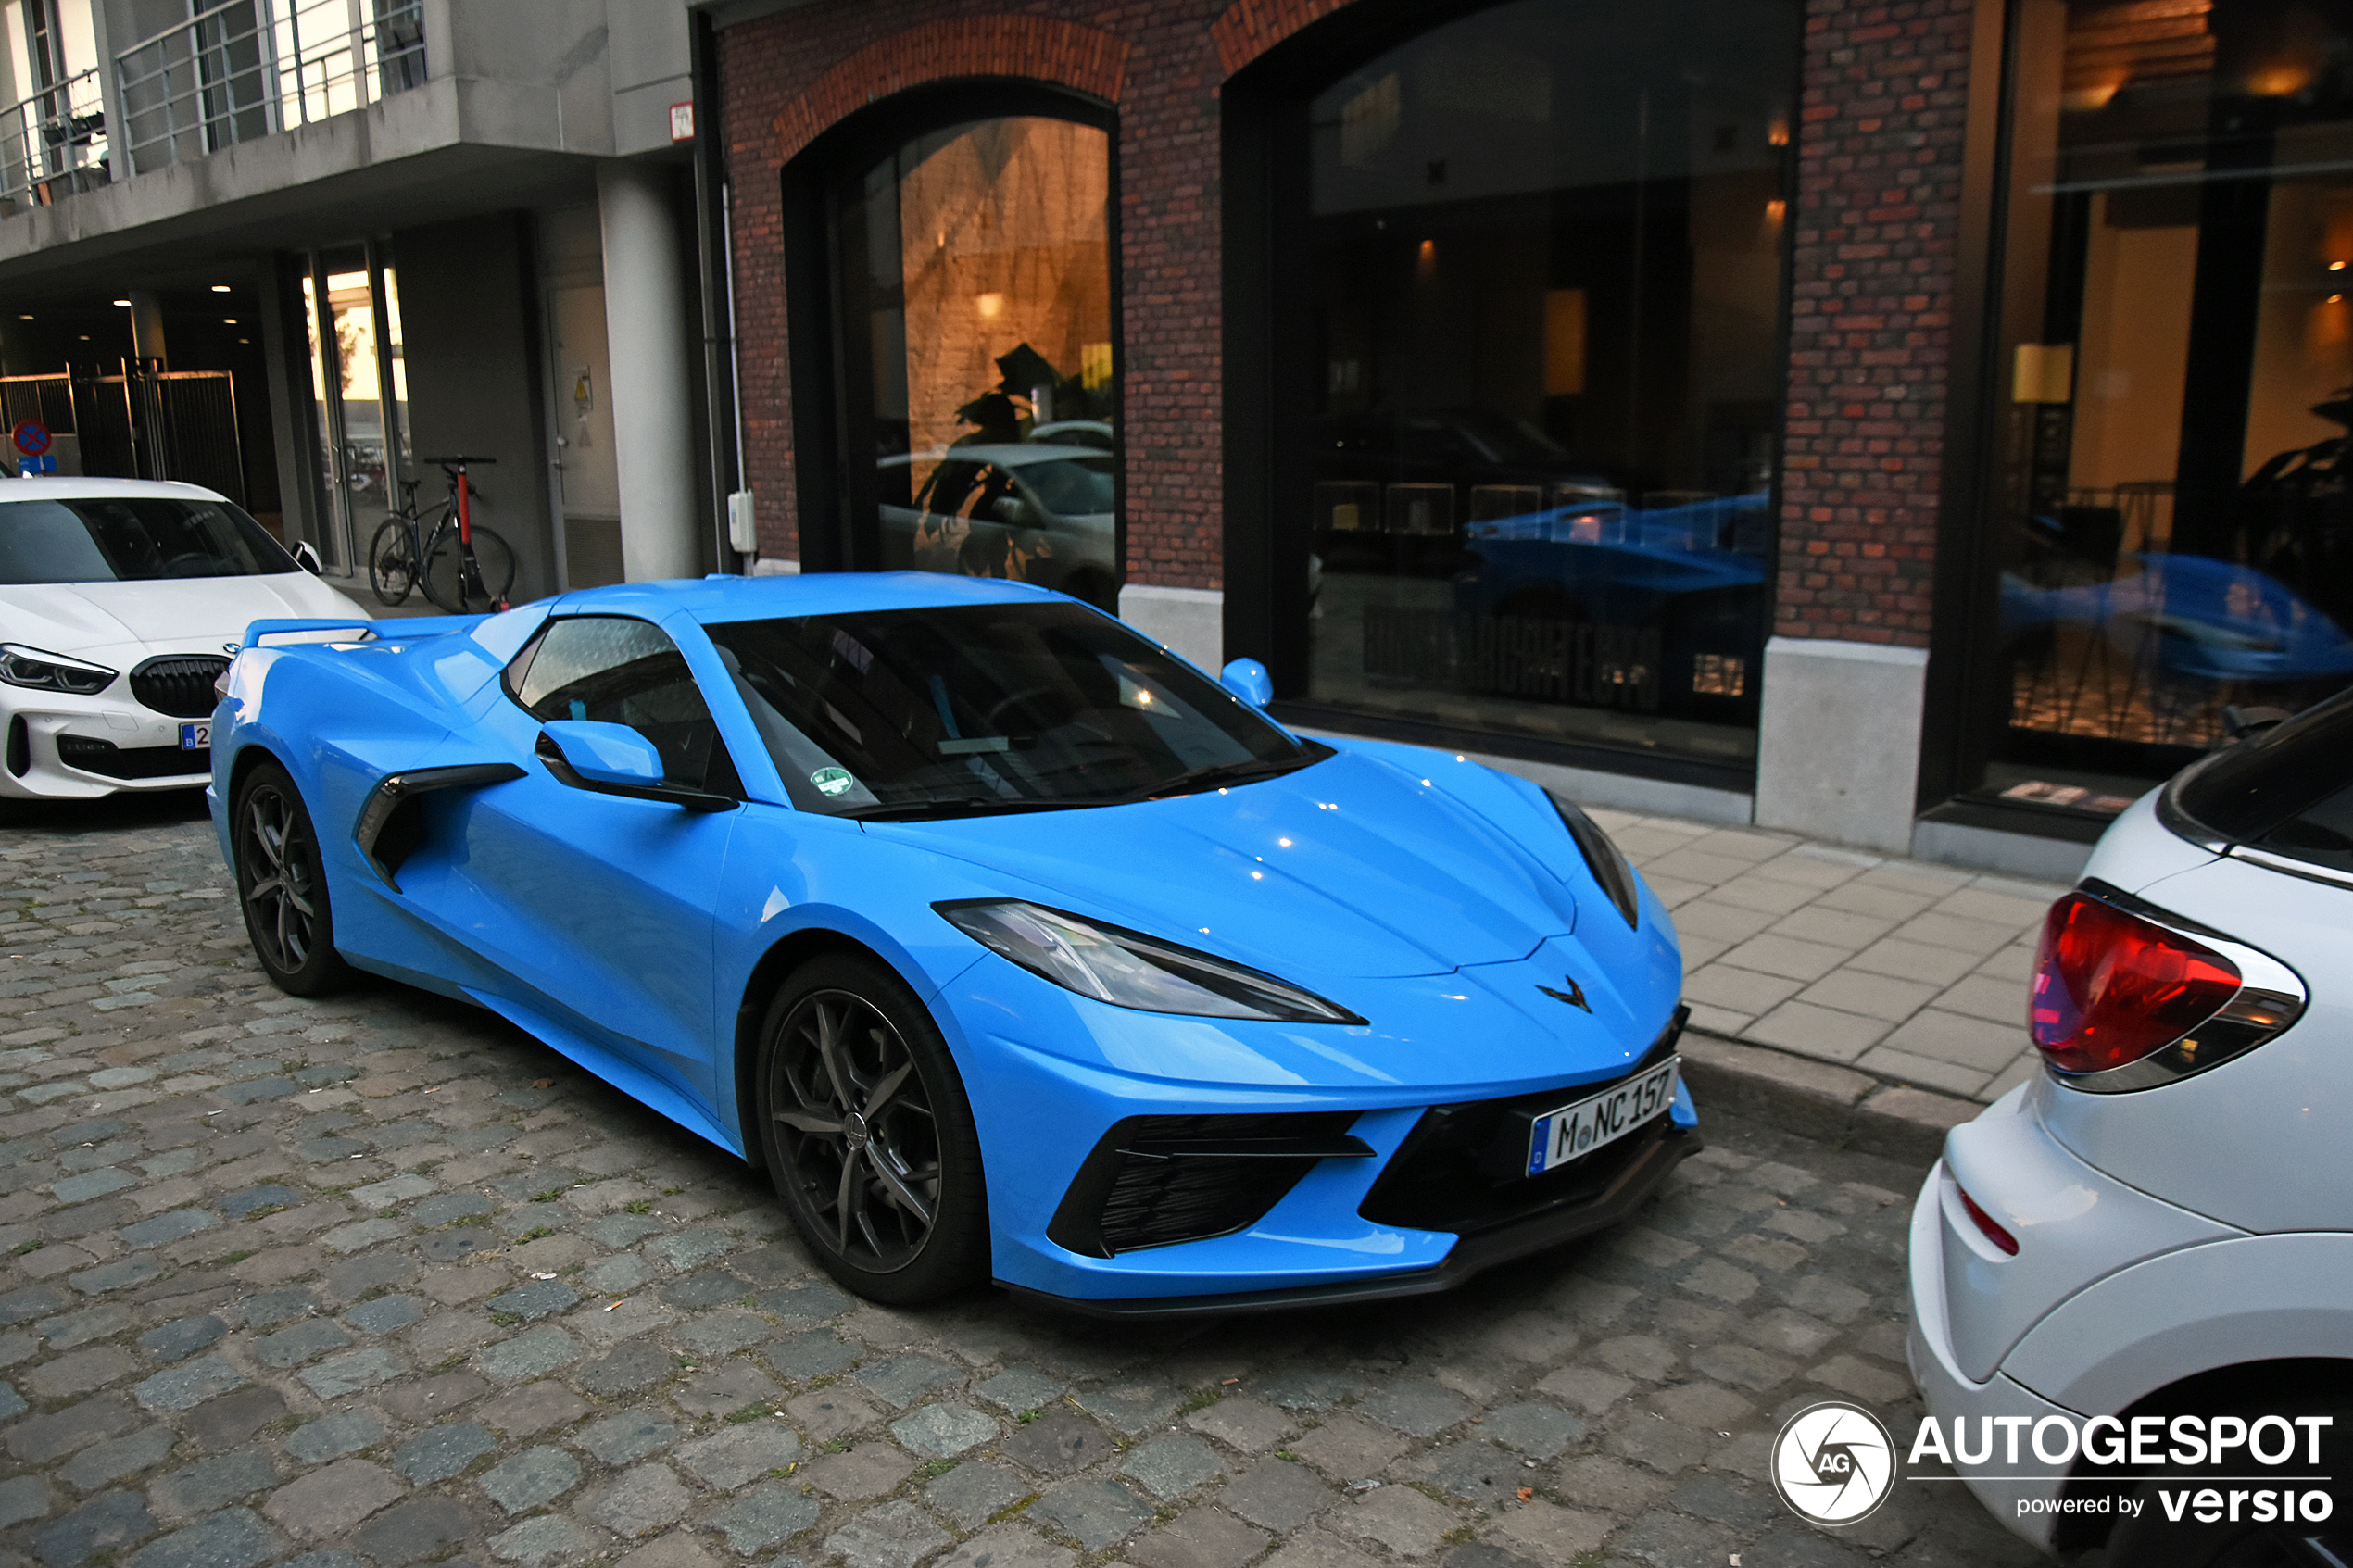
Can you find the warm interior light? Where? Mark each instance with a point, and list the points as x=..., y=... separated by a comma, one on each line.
x=990, y=303
x=220, y=288
x=228, y=321
x=124, y=303
x=1779, y=135
x=2336, y=266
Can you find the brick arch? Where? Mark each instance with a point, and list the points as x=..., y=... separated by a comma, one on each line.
x=1036, y=48
x=1250, y=28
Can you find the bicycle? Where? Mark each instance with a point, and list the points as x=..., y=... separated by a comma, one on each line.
x=467, y=567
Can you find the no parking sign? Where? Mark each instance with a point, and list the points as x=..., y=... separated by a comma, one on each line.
x=33, y=439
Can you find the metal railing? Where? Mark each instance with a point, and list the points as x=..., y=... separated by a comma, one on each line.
x=248, y=68
x=53, y=142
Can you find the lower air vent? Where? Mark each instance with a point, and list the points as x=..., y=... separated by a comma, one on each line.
x=1154, y=1181
x=103, y=757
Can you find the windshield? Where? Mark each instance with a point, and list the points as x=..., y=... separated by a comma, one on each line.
x=132, y=538
x=1071, y=487
x=988, y=708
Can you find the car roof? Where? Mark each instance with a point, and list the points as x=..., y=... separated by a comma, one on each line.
x=62, y=487
x=725, y=598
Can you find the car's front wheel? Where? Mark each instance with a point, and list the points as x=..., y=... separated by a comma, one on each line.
x=867, y=1133
x=282, y=883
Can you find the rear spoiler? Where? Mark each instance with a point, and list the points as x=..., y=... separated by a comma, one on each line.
x=318, y=631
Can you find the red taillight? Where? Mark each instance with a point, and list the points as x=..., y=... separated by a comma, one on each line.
x=2110, y=987
x=1994, y=1232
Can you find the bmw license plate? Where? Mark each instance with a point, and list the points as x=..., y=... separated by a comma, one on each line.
x=196, y=738
x=1558, y=1137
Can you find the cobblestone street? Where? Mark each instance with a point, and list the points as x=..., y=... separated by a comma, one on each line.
x=379, y=1280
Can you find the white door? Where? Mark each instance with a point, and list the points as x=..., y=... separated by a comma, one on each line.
x=581, y=375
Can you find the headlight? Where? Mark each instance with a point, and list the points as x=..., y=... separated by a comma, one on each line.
x=1131, y=969
x=21, y=665
x=1604, y=858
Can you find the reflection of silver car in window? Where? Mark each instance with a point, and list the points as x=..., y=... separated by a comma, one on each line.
x=1034, y=513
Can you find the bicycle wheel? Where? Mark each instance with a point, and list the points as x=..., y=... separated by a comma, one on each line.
x=463, y=585
x=392, y=560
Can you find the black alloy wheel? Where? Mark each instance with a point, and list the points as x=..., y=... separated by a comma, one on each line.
x=867, y=1133
x=282, y=884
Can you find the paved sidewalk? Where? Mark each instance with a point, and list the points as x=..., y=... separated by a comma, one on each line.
x=1908, y=973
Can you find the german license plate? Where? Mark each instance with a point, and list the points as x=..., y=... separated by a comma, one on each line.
x=1558, y=1137
x=197, y=736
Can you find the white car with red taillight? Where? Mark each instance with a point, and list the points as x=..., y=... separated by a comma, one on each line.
x=2161, y=1223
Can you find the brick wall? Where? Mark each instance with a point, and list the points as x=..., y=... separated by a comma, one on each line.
x=1875, y=217
x=1878, y=210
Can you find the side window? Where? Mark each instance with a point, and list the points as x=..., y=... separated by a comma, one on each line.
x=622, y=671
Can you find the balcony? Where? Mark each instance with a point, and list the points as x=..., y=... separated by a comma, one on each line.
x=236, y=72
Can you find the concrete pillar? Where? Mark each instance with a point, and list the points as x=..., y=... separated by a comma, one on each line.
x=146, y=326
x=1838, y=746
x=646, y=326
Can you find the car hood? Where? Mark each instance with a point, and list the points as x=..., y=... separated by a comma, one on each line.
x=73, y=617
x=1347, y=868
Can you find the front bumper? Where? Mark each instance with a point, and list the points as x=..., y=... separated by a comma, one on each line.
x=1657, y=1151
x=1412, y=1219
x=123, y=746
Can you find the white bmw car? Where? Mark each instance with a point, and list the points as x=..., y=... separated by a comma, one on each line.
x=121, y=600
x=2132, y=1277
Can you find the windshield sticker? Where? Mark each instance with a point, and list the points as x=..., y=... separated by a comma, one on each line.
x=833, y=781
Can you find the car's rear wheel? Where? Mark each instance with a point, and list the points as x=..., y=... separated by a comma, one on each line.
x=867, y=1133
x=282, y=883
x=2153, y=1538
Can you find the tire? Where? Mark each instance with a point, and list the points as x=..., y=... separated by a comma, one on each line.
x=847, y=1182
x=281, y=886
x=392, y=562
x=2151, y=1540
x=446, y=579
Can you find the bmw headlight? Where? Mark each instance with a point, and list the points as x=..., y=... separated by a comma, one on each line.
x=1604, y=858
x=21, y=665
x=1131, y=969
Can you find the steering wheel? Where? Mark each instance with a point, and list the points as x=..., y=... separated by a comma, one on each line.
x=1012, y=701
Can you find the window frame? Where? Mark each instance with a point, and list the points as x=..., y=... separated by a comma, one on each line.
x=823, y=357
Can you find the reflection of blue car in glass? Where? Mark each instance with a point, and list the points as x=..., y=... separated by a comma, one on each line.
x=1689, y=580
x=1010, y=946
x=2205, y=619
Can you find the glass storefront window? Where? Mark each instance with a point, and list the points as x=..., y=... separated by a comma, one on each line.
x=353, y=371
x=2173, y=526
x=1542, y=437
x=974, y=265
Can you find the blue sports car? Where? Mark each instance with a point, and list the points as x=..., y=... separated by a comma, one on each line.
x=1010, y=946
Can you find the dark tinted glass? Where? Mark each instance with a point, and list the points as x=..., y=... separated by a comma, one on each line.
x=1531, y=423
x=132, y=538
x=2289, y=790
x=987, y=708
x=620, y=671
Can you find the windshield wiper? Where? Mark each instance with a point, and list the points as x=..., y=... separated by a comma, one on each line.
x=1194, y=779
x=951, y=806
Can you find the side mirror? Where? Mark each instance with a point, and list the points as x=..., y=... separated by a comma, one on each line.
x=1248, y=680
x=307, y=559
x=615, y=760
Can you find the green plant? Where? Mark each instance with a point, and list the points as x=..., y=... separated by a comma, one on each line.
x=1025, y=1417
x=839, y=1446
x=548, y=1196
x=749, y=1412
x=643, y=1206
x=21, y=1247
x=1010, y=1509
x=536, y=1232
x=505, y=1319
x=1199, y=1399
x=937, y=1467
x=236, y=1258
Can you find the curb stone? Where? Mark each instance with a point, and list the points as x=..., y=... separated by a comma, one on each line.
x=1816, y=1100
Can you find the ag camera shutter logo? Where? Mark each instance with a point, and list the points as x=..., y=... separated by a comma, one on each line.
x=1833, y=1463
